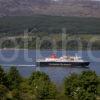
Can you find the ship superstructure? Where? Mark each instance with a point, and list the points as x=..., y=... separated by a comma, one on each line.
x=53, y=60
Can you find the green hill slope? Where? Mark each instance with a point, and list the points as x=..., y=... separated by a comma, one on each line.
x=49, y=24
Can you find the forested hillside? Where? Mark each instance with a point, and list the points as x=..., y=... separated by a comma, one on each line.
x=49, y=24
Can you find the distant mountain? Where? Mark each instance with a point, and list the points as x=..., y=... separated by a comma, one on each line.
x=85, y=8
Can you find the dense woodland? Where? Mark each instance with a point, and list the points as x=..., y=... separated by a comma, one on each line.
x=77, y=28
x=49, y=24
x=83, y=86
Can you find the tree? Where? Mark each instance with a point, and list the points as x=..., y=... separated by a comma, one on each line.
x=82, y=86
x=3, y=92
x=89, y=81
x=26, y=90
x=14, y=78
x=42, y=87
x=71, y=84
x=3, y=77
x=38, y=75
x=16, y=94
x=84, y=95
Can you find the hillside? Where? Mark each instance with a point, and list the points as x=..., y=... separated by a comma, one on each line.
x=48, y=24
x=76, y=28
x=85, y=8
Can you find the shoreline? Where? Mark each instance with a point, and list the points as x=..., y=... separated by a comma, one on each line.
x=14, y=49
x=43, y=49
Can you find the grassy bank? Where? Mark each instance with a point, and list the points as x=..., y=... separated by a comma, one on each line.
x=47, y=41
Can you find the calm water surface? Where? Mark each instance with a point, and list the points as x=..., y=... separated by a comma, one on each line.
x=27, y=60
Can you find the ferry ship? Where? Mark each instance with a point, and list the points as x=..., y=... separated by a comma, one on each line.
x=70, y=61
